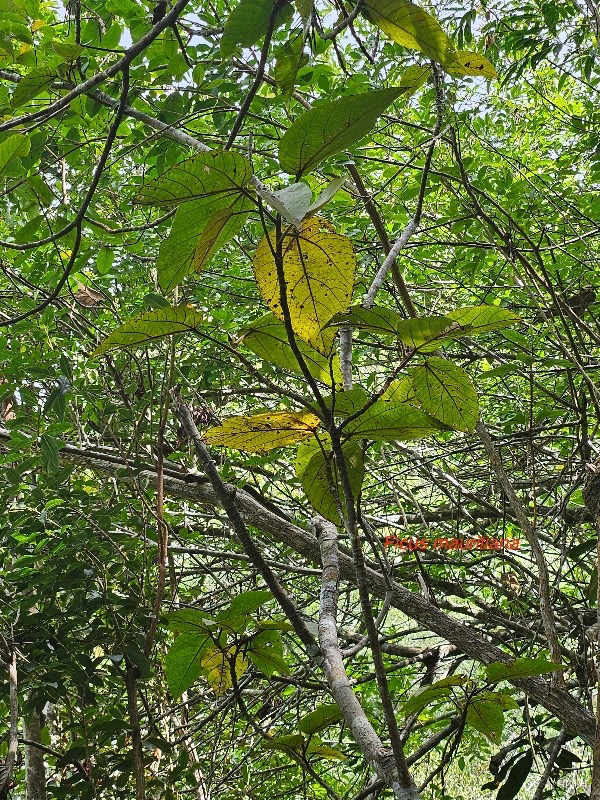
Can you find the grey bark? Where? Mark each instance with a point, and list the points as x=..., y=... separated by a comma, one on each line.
x=35, y=771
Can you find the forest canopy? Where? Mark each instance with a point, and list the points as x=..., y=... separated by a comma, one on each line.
x=299, y=411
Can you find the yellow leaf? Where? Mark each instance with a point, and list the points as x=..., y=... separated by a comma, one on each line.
x=319, y=267
x=37, y=24
x=410, y=26
x=466, y=63
x=217, y=666
x=263, y=432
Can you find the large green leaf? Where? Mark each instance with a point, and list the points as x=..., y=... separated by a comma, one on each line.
x=422, y=333
x=289, y=59
x=319, y=719
x=445, y=391
x=317, y=469
x=267, y=338
x=331, y=127
x=293, y=742
x=199, y=229
x=16, y=146
x=150, y=326
x=248, y=23
x=410, y=26
x=519, y=668
x=246, y=603
x=487, y=717
x=440, y=690
x=478, y=319
x=182, y=663
x=266, y=653
x=387, y=421
x=418, y=702
x=204, y=175
x=260, y=433
x=318, y=267
x=32, y=85
x=190, y=620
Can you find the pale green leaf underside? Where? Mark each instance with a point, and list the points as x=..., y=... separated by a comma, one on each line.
x=479, y=319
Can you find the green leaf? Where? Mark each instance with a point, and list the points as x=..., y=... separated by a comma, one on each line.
x=519, y=668
x=262, y=432
x=246, y=603
x=387, y=421
x=323, y=751
x=182, y=662
x=516, y=777
x=17, y=7
x=293, y=742
x=16, y=146
x=190, y=620
x=32, y=85
x=410, y=26
x=267, y=338
x=49, y=447
x=445, y=391
x=151, y=326
x=401, y=391
x=417, y=702
x=319, y=719
x=289, y=59
x=305, y=9
x=315, y=472
x=266, y=653
x=478, y=319
x=319, y=267
x=413, y=78
x=346, y=403
x=246, y=24
x=421, y=333
x=104, y=260
x=68, y=50
x=331, y=127
x=487, y=717
x=440, y=690
x=466, y=63
x=505, y=701
x=199, y=229
x=204, y=175
x=137, y=657
x=382, y=321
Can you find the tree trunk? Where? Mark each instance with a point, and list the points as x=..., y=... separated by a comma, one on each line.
x=35, y=771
